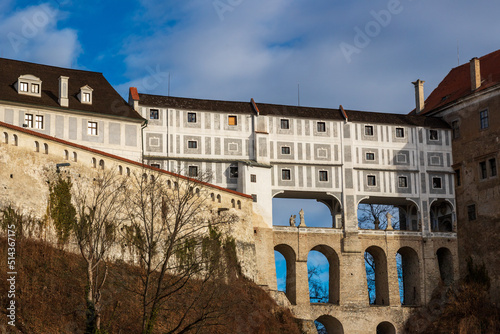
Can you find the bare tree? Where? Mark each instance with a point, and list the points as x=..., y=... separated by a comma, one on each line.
x=318, y=290
x=374, y=216
x=98, y=202
x=181, y=249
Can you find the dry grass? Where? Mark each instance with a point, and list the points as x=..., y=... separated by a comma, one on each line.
x=50, y=298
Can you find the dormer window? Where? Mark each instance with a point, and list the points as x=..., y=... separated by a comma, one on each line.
x=85, y=94
x=29, y=85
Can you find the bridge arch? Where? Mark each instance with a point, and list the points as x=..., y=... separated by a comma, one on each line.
x=372, y=213
x=291, y=281
x=333, y=272
x=445, y=263
x=330, y=200
x=386, y=328
x=376, y=276
x=331, y=325
x=410, y=276
x=442, y=215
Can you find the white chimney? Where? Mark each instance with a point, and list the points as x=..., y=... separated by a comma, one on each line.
x=475, y=74
x=419, y=95
x=63, y=91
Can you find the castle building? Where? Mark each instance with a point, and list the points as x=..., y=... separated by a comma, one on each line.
x=468, y=99
x=77, y=106
x=342, y=158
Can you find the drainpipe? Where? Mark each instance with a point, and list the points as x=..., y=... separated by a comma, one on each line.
x=143, y=126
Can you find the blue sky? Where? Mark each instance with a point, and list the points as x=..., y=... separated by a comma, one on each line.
x=361, y=54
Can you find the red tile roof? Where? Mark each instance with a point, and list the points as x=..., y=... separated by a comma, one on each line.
x=115, y=157
x=457, y=84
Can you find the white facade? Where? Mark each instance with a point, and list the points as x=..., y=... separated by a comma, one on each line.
x=382, y=159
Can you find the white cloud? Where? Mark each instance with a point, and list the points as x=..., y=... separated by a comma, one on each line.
x=31, y=34
x=263, y=49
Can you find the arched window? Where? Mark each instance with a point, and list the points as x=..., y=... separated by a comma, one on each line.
x=75, y=157
x=120, y=170
x=212, y=196
x=37, y=146
x=219, y=199
x=239, y=204
x=93, y=162
x=101, y=164
x=5, y=138
x=16, y=141
x=66, y=155
x=128, y=171
x=233, y=203
x=45, y=148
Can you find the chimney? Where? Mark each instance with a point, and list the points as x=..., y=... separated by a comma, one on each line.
x=419, y=95
x=133, y=98
x=475, y=74
x=63, y=91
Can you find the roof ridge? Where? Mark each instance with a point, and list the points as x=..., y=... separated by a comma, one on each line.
x=50, y=66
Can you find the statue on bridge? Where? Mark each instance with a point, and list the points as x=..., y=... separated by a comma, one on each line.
x=302, y=221
x=292, y=220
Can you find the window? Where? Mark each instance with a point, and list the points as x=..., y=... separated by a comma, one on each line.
x=458, y=178
x=471, y=211
x=372, y=181
x=233, y=172
x=193, y=171
x=155, y=166
x=86, y=97
x=254, y=197
x=456, y=129
x=483, y=115
x=92, y=128
x=433, y=135
x=370, y=156
x=368, y=130
x=154, y=114
x=39, y=122
x=191, y=117
x=400, y=132
x=483, y=173
x=232, y=120
x=323, y=175
x=321, y=127
x=35, y=88
x=493, y=167
x=23, y=86
x=402, y=182
x=285, y=124
x=28, y=120
x=436, y=183
x=253, y=178
x=192, y=144
x=286, y=174
x=285, y=150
